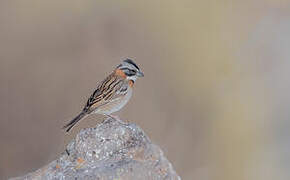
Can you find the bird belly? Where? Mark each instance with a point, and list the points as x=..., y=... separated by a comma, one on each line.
x=114, y=105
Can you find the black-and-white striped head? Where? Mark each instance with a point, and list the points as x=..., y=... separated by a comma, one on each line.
x=130, y=69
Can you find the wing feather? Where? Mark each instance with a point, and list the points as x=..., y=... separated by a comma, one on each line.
x=109, y=89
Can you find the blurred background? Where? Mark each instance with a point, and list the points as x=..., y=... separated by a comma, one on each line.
x=215, y=96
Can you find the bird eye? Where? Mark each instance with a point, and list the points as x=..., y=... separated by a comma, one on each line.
x=131, y=72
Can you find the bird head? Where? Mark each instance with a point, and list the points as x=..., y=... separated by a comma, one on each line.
x=129, y=70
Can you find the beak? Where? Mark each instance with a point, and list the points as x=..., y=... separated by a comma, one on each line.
x=140, y=74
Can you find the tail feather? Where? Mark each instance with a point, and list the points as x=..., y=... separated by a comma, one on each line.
x=74, y=121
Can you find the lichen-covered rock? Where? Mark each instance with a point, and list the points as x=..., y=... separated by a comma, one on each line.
x=112, y=150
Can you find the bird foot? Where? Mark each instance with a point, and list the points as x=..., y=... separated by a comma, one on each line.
x=115, y=117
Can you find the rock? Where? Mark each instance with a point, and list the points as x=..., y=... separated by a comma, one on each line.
x=112, y=150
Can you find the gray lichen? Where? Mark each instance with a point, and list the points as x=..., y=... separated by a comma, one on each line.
x=112, y=150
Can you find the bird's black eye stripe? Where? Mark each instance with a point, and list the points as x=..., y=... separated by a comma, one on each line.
x=129, y=72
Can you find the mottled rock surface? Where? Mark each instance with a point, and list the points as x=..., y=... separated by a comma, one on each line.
x=112, y=150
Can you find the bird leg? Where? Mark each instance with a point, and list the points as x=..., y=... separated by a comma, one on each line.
x=115, y=118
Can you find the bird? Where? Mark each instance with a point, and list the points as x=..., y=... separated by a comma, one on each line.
x=111, y=94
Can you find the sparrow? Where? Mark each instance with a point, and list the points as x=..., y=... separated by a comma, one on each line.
x=112, y=93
